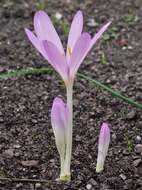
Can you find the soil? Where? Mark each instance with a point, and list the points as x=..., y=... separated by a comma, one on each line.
x=27, y=146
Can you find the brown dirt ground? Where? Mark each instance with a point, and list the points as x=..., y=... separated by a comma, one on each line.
x=25, y=102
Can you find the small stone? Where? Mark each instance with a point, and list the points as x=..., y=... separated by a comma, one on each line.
x=123, y=176
x=1, y=119
x=17, y=154
x=124, y=47
x=126, y=152
x=135, y=157
x=92, y=23
x=30, y=163
x=16, y=146
x=138, y=139
x=19, y=185
x=34, y=121
x=138, y=148
x=9, y=153
x=78, y=138
x=93, y=182
x=137, y=162
x=130, y=47
x=131, y=115
x=114, y=136
x=88, y=186
x=38, y=185
x=58, y=15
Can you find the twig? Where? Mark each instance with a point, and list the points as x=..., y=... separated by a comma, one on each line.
x=24, y=180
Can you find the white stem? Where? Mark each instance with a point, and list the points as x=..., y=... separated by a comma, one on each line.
x=62, y=160
x=67, y=162
x=100, y=162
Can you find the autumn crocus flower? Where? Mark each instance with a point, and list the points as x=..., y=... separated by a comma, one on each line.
x=48, y=43
x=104, y=140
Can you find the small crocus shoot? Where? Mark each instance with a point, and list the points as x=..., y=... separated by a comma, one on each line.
x=59, y=121
x=48, y=43
x=104, y=140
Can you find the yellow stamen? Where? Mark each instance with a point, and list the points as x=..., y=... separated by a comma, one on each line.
x=69, y=50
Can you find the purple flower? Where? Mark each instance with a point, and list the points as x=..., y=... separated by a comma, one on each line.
x=104, y=140
x=49, y=45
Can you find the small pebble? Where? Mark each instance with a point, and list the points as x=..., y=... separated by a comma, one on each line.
x=93, y=182
x=126, y=152
x=19, y=185
x=124, y=48
x=92, y=23
x=88, y=186
x=138, y=148
x=138, y=139
x=16, y=146
x=130, y=47
x=122, y=176
x=37, y=185
x=131, y=115
x=17, y=154
x=78, y=138
x=58, y=15
x=34, y=121
x=114, y=136
x=137, y=162
x=9, y=153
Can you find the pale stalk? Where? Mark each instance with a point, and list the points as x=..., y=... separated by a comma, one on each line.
x=100, y=162
x=62, y=160
x=67, y=163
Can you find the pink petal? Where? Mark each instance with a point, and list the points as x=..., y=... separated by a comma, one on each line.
x=36, y=43
x=59, y=124
x=99, y=34
x=104, y=137
x=34, y=40
x=79, y=53
x=56, y=59
x=59, y=114
x=104, y=141
x=45, y=29
x=75, y=32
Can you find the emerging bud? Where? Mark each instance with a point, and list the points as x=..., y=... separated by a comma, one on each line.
x=104, y=140
x=59, y=124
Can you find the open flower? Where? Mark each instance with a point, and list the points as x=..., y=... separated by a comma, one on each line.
x=104, y=140
x=49, y=44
